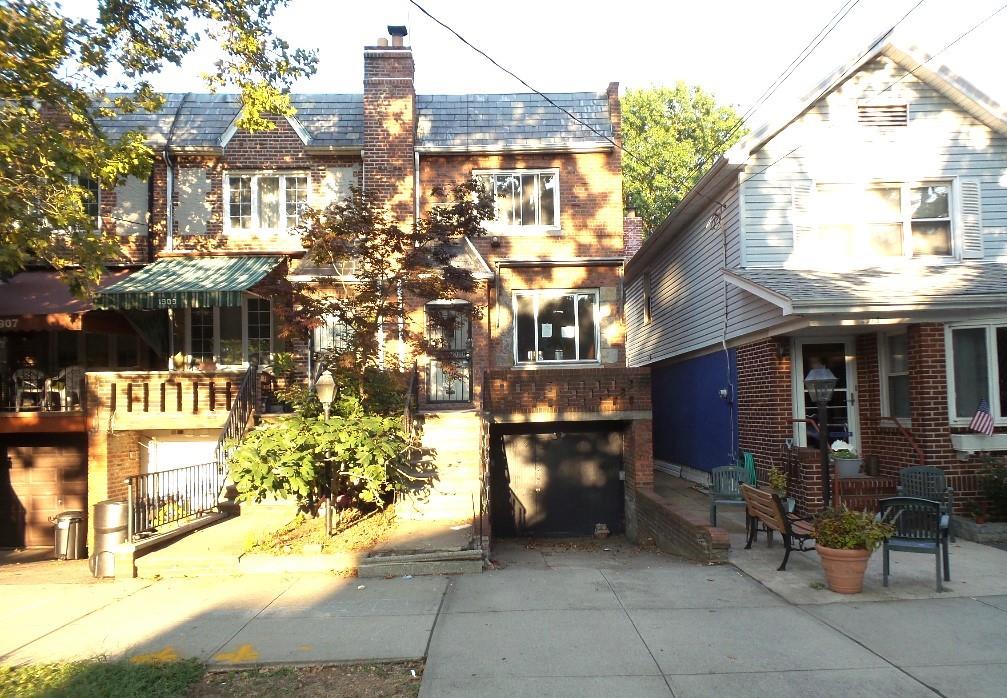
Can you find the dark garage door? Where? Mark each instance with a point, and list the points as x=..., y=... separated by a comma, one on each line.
x=556, y=483
x=40, y=476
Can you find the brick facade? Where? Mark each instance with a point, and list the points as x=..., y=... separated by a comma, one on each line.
x=765, y=413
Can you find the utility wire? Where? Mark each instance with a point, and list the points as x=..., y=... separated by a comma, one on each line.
x=903, y=77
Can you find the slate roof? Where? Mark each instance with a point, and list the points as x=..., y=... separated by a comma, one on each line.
x=443, y=121
x=975, y=284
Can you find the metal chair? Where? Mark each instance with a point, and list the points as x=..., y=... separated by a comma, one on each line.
x=920, y=527
x=927, y=482
x=28, y=381
x=725, y=488
x=748, y=462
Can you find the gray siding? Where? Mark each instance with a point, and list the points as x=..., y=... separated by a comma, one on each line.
x=941, y=140
x=687, y=289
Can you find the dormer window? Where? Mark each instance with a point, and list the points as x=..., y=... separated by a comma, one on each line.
x=524, y=200
x=883, y=115
x=265, y=201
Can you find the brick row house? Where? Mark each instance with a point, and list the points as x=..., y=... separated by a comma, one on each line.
x=864, y=232
x=539, y=427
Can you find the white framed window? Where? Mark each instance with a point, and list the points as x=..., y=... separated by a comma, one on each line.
x=225, y=336
x=884, y=219
x=264, y=201
x=976, y=370
x=92, y=196
x=648, y=313
x=333, y=335
x=552, y=326
x=893, y=364
x=524, y=200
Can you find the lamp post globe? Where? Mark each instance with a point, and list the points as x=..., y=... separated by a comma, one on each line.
x=325, y=389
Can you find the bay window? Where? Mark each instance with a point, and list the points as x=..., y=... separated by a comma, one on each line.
x=894, y=365
x=553, y=326
x=265, y=201
x=977, y=370
x=527, y=199
x=883, y=219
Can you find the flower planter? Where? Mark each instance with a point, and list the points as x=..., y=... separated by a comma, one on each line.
x=848, y=467
x=844, y=569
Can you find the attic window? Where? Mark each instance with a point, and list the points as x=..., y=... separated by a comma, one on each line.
x=882, y=115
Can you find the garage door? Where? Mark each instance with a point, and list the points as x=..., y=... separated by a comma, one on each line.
x=40, y=476
x=558, y=483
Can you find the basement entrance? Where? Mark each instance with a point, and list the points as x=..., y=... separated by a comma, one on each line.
x=557, y=479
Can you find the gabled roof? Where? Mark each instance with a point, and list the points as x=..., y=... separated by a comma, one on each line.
x=445, y=123
x=724, y=170
x=907, y=287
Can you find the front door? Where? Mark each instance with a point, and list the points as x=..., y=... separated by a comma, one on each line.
x=837, y=356
x=449, y=344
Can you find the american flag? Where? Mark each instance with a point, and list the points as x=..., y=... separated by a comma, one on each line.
x=983, y=421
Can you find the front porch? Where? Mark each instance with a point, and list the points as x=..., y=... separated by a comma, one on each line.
x=891, y=405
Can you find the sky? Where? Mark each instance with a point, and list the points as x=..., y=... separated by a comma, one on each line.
x=732, y=48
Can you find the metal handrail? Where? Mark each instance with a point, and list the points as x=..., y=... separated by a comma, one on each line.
x=169, y=496
x=412, y=403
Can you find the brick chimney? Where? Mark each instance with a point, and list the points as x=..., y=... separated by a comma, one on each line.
x=390, y=123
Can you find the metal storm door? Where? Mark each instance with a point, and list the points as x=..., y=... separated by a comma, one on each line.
x=449, y=335
x=838, y=355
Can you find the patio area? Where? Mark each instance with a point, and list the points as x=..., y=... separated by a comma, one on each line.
x=976, y=570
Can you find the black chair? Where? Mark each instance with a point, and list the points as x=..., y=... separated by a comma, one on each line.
x=920, y=527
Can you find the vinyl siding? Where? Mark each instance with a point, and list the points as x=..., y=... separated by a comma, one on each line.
x=941, y=141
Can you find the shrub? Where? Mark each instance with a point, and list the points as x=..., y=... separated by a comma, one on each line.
x=307, y=458
x=844, y=529
x=777, y=481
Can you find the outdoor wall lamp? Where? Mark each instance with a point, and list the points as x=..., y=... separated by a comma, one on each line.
x=325, y=389
x=820, y=384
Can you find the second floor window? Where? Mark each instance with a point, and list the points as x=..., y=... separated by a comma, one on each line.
x=551, y=326
x=884, y=220
x=92, y=196
x=266, y=201
x=526, y=199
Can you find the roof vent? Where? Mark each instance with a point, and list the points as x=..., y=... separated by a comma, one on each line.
x=882, y=115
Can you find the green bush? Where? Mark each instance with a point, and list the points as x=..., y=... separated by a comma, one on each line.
x=994, y=488
x=364, y=455
x=844, y=529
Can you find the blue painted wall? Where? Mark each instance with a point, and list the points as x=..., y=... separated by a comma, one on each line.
x=693, y=425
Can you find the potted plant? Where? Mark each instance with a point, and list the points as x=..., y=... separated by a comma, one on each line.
x=846, y=459
x=978, y=512
x=845, y=540
x=778, y=483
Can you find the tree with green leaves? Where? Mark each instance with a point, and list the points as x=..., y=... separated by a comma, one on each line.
x=388, y=271
x=675, y=134
x=53, y=70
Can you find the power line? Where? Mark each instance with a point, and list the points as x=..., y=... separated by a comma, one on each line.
x=903, y=77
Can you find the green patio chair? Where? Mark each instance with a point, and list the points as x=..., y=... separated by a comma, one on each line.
x=725, y=488
x=748, y=463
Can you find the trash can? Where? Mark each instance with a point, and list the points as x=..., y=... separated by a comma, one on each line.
x=109, y=532
x=70, y=535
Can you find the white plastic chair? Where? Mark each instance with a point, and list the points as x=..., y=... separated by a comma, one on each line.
x=69, y=385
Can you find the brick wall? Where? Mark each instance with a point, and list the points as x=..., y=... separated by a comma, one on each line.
x=550, y=391
x=632, y=233
x=674, y=531
x=764, y=403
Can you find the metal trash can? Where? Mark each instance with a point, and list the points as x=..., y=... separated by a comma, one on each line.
x=109, y=523
x=70, y=535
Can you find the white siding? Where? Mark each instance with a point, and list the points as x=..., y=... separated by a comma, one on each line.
x=687, y=292
x=941, y=141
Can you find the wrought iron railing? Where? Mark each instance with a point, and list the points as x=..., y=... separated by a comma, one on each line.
x=409, y=412
x=157, y=499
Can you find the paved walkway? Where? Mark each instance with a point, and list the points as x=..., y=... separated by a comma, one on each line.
x=581, y=618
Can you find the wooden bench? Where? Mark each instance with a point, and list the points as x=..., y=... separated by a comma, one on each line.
x=763, y=507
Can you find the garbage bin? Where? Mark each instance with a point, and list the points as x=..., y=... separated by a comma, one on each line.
x=70, y=537
x=109, y=531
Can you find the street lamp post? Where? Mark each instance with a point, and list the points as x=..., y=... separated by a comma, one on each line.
x=820, y=383
x=325, y=389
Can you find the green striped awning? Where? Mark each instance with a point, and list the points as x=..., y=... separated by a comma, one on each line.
x=187, y=282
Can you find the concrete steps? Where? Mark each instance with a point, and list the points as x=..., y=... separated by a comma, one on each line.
x=449, y=465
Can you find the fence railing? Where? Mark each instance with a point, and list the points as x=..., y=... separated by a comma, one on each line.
x=169, y=496
x=409, y=423
x=158, y=499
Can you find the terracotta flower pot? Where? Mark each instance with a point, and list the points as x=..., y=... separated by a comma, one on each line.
x=844, y=569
